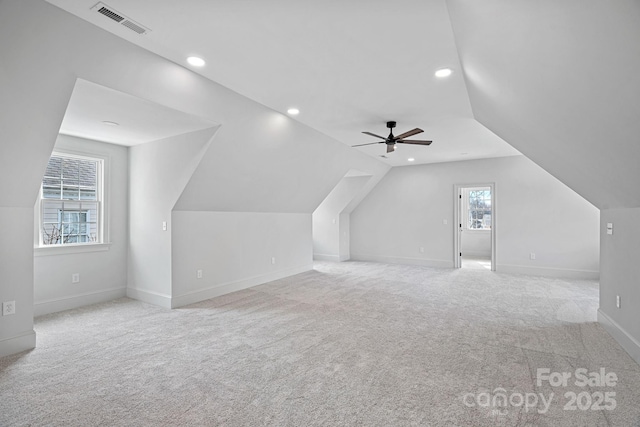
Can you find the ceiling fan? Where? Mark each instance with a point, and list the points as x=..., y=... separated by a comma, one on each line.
x=391, y=140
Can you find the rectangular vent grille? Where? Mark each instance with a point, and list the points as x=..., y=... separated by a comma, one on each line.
x=111, y=13
x=133, y=26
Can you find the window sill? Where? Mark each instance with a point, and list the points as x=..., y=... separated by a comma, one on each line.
x=70, y=249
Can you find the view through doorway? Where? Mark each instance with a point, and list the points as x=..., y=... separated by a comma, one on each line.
x=475, y=231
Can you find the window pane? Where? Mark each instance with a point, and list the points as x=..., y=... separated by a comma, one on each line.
x=88, y=194
x=51, y=234
x=92, y=232
x=54, y=168
x=51, y=188
x=479, y=213
x=87, y=171
x=70, y=191
x=74, y=217
x=71, y=169
x=91, y=210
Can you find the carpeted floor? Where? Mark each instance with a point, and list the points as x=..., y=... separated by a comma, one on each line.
x=348, y=344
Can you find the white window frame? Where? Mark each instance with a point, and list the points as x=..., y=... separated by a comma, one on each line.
x=101, y=243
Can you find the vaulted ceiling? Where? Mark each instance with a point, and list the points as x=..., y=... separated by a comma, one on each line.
x=347, y=66
x=558, y=81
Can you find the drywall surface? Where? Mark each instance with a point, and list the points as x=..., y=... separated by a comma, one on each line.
x=476, y=243
x=50, y=49
x=159, y=171
x=103, y=273
x=235, y=250
x=330, y=221
x=620, y=275
x=559, y=82
x=533, y=212
x=16, y=276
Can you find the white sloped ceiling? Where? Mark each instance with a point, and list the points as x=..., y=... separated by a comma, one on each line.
x=560, y=82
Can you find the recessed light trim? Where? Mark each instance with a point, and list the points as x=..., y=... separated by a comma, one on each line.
x=110, y=123
x=196, y=61
x=443, y=72
x=411, y=159
x=293, y=111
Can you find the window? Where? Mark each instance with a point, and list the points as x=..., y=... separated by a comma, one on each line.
x=71, y=200
x=479, y=202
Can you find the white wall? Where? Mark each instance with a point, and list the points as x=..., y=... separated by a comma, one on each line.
x=234, y=250
x=264, y=161
x=331, y=222
x=534, y=212
x=16, y=278
x=553, y=98
x=620, y=275
x=159, y=171
x=476, y=243
x=103, y=273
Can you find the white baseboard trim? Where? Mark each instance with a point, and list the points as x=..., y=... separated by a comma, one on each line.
x=14, y=345
x=74, y=301
x=629, y=343
x=326, y=257
x=226, y=288
x=548, y=272
x=344, y=258
x=399, y=260
x=150, y=297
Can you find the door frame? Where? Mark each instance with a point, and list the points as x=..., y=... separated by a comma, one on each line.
x=457, y=221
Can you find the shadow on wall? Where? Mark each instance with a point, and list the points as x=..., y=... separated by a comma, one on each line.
x=331, y=218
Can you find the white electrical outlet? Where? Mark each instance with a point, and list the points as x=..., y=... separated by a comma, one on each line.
x=8, y=308
x=198, y=274
x=75, y=278
x=532, y=255
x=273, y=260
x=445, y=222
x=610, y=228
x=618, y=301
x=164, y=225
x=421, y=249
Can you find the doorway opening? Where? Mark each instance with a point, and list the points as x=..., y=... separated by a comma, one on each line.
x=475, y=217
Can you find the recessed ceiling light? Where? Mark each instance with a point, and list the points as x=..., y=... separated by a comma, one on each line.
x=443, y=72
x=410, y=159
x=463, y=154
x=109, y=123
x=293, y=111
x=195, y=61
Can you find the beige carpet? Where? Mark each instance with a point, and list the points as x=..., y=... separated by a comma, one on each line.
x=350, y=344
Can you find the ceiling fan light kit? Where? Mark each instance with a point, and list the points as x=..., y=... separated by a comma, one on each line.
x=392, y=140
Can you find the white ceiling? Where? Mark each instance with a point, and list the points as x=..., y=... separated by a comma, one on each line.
x=348, y=66
x=138, y=120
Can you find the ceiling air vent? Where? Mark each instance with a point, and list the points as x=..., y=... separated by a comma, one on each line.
x=121, y=19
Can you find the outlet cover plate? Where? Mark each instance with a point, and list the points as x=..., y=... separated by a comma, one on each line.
x=8, y=308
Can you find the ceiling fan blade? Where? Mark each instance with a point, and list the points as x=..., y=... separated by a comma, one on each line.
x=391, y=148
x=369, y=143
x=373, y=134
x=414, y=142
x=409, y=133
